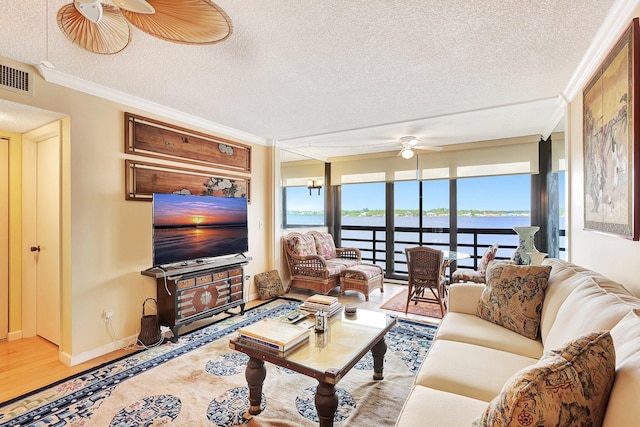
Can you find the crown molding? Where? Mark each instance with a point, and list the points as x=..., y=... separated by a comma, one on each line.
x=616, y=21
x=52, y=75
x=614, y=24
x=558, y=114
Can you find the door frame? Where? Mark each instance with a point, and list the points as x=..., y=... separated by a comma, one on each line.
x=5, y=249
x=29, y=186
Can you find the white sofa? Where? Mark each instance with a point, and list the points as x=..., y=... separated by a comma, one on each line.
x=471, y=359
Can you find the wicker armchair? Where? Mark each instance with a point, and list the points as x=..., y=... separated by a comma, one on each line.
x=314, y=261
x=425, y=276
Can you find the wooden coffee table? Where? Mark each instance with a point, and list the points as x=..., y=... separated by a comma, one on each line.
x=327, y=358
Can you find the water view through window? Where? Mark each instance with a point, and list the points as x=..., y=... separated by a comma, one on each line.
x=497, y=202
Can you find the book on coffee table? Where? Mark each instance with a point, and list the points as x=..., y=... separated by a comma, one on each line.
x=273, y=334
x=322, y=299
x=270, y=349
x=324, y=303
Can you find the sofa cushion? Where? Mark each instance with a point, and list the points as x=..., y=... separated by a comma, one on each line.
x=440, y=407
x=597, y=304
x=335, y=268
x=568, y=386
x=470, y=370
x=623, y=409
x=362, y=272
x=467, y=275
x=471, y=329
x=513, y=297
x=302, y=244
x=325, y=246
x=563, y=279
x=464, y=297
x=626, y=336
x=340, y=264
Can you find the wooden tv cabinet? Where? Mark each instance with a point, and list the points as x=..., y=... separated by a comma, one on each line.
x=198, y=290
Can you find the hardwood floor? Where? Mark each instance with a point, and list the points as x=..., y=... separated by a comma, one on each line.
x=32, y=363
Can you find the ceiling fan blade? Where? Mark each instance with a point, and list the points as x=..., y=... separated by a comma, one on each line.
x=110, y=35
x=184, y=21
x=427, y=148
x=137, y=6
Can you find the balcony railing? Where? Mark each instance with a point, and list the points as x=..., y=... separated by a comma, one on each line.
x=372, y=242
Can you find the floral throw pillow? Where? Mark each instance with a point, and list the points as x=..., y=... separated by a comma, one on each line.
x=489, y=255
x=269, y=284
x=569, y=386
x=302, y=244
x=513, y=297
x=325, y=246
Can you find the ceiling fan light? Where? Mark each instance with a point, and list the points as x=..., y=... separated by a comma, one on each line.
x=407, y=153
x=90, y=9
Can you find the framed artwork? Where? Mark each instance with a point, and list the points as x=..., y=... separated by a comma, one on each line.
x=610, y=140
x=152, y=138
x=142, y=179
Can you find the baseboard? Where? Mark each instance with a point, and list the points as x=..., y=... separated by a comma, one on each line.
x=70, y=360
x=13, y=336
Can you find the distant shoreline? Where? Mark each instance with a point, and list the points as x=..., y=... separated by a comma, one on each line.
x=404, y=213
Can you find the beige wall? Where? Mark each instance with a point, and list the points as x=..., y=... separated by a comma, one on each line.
x=107, y=239
x=615, y=257
x=15, y=228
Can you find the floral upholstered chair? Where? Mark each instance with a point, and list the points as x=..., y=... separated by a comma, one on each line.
x=477, y=276
x=314, y=261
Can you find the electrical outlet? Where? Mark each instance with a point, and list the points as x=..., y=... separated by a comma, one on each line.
x=107, y=314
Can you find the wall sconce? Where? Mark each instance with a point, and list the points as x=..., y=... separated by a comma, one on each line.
x=314, y=184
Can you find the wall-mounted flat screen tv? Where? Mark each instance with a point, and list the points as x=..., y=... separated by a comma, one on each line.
x=195, y=228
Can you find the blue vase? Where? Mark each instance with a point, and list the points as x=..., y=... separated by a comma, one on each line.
x=525, y=244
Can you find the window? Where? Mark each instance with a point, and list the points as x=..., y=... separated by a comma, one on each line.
x=562, y=239
x=302, y=209
x=435, y=211
x=409, y=206
x=495, y=202
x=363, y=205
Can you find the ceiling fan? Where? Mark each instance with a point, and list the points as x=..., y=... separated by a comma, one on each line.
x=410, y=143
x=106, y=28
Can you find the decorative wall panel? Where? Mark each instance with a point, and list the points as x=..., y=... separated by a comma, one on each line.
x=143, y=179
x=151, y=138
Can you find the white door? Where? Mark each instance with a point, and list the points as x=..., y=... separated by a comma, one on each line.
x=4, y=238
x=47, y=248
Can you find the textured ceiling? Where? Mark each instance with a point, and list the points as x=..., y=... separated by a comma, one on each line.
x=327, y=77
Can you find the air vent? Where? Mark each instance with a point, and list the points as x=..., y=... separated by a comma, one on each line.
x=16, y=80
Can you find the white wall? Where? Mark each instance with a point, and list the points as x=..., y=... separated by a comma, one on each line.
x=615, y=257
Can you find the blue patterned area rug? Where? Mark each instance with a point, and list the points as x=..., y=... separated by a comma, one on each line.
x=199, y=381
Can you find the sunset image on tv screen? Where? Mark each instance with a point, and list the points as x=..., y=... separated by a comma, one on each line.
x=187, y=227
